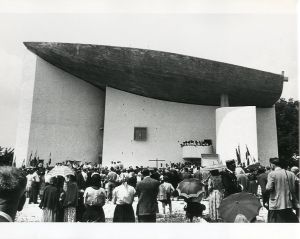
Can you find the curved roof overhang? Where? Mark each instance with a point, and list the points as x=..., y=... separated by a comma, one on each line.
x=162, y=75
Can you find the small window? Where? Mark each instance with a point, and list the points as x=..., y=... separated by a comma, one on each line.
x=140, y=133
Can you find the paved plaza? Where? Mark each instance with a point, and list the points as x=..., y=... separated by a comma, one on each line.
x=32, y=213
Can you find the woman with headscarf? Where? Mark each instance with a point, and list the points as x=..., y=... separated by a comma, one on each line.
x=123, y=196
x=242, y=179
x=94, y=200
x=216, y=194
x=71, y=199
x=49, y=201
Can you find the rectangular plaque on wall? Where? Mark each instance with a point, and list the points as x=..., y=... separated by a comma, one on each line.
x=140, y=133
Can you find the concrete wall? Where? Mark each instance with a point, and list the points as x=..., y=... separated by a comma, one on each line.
x=266, y=134
x=236, y=126
x=168, y=124
x=25, y=107
x=67, y=117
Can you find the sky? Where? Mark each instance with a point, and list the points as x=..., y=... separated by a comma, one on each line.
x=260, y=35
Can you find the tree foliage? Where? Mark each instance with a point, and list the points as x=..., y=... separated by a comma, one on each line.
x=6, y=156
x=287, y=120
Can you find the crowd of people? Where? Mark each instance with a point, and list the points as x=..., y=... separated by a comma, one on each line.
x=207, y=142
x=81, y=196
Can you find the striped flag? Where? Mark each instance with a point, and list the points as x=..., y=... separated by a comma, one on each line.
x=238, y=155
x=49, y=161
x=247, y=156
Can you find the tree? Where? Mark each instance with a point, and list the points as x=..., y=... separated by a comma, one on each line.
x=287, y=120
x=6, y=156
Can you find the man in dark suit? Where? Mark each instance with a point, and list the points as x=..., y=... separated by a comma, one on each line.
x=12, y=192
x=147, y=191
x=281, y=185
x=262, y=180
x=229, y=179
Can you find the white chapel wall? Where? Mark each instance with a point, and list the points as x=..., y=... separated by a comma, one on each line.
x=67, y=116
x=25, y=107
x=168, y=124
x=266, y=134
x=236, y=127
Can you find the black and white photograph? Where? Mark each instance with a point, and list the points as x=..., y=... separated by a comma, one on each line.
x=149, y=112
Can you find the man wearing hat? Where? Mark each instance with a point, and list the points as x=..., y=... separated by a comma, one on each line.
x=229, y=179
x=281, y=183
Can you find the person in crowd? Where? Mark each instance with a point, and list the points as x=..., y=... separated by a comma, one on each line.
x=12, y=192
x=164, y=194
x=123, y=197
x=41, y=172
x=112, y=177
x=295, y=170
x=240, y=218
x=49, y=201
x=253, y=185
x=34, y=187
x=60, y=181
x=281, y=184
x=139, y=176
x=94, y=200
x=29, y=177
x=216, y=194
x=242, y=179
x=229, y=179
x=198, y=174
x=205, y=174
x=262, y=180
x=81, y=179
x=194, y=207
x=186, y=174
x=71, y=199
x=147, y=191
x=154, y=174
x=132, y=180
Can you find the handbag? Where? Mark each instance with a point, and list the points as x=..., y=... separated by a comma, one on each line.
x=292, y=195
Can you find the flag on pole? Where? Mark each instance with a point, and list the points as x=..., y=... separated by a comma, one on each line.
x=33, y=162
x=49, y=161
x=247, y=156
x=238, y=155
x=29, y=160
x=14, y=162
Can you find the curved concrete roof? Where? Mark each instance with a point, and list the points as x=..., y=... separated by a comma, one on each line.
x=162, y=75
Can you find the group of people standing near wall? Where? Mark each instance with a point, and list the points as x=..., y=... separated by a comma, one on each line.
x=81, y=197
